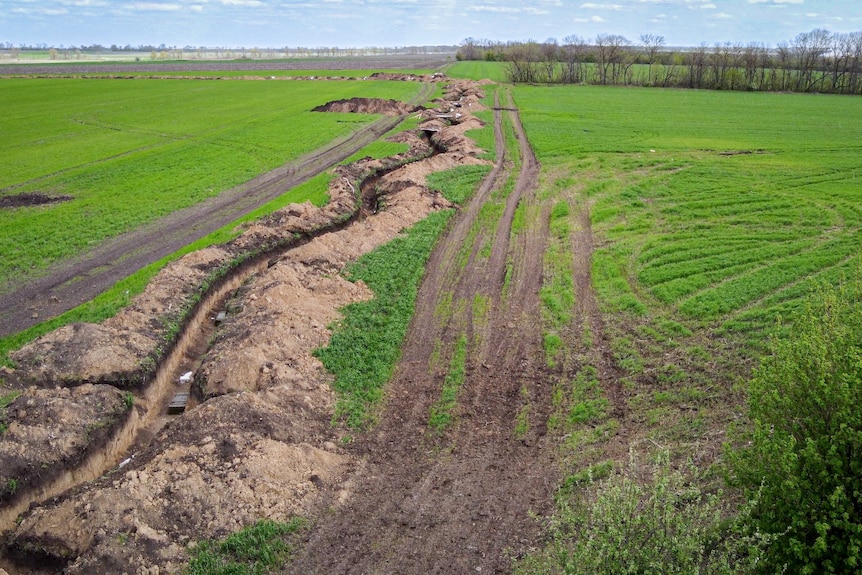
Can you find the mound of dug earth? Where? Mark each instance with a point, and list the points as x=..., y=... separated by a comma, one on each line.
x=31, y=199
x=368, y=106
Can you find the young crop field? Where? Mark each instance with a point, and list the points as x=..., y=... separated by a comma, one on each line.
x=716, y=208
x=123, y=153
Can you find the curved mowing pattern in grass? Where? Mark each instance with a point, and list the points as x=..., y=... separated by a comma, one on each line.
x=719, y=207
x=130, y=151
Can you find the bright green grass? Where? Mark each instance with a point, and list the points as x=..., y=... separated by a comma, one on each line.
x=260, y=548
x=442, y=412
x=726, y=240
x=300, y=73
x=475, y=70
x=132, y=151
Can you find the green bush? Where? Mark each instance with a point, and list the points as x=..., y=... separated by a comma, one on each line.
x=622, y=526
x=805, y=452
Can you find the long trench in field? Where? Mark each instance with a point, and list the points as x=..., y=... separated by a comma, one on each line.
x=149, y=413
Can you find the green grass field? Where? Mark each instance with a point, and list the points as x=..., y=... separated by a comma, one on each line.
x=716, y=208
x=476, y=70
x=131, y=151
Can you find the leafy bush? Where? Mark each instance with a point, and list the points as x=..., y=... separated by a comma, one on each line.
x=668, y=525
x=805, y=452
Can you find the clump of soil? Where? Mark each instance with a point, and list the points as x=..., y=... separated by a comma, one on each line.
x=262, y=445
x=368, y=106
x=31, y=199
x=50, y=431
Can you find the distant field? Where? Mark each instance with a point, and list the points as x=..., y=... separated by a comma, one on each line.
x=131, y=151
x=475, y=70
x=713, y=208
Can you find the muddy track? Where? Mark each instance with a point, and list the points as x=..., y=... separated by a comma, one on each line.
x=459, y=500
x=71, y=283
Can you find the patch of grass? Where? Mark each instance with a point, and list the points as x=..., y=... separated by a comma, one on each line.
x=587, y=476
x=728, y=240
x=366, y=343
x=478, y=70
x=458, y=184
x=522, y=419
x=5, y=400
x=557, y=294
x=442, y=415
x=258, y=549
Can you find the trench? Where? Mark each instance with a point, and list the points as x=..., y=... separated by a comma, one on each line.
x=149, y=413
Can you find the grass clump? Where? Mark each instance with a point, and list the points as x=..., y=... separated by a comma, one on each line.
x=441, y=412
x=666, y=525
x=260, y=548
x=5, y=400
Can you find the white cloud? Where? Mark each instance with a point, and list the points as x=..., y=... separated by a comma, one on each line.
x=83, y=3
x=40, y=11
x=721, y=16
x=708, y=7
x=593, y=19
x=155, y=7
x=594, y=6
x=494, y=9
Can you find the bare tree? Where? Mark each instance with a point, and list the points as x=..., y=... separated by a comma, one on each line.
x=574, y=53
x=469, y=50
x=523, y=62
x=651, y=44
x=808, y=49
x=609, y=55
x=549, y=51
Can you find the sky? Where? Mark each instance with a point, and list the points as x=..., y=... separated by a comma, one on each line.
x=366, y=23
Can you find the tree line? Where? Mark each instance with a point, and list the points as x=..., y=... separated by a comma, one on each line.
x=815, y=61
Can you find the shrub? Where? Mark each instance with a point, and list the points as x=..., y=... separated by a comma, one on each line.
x=667, y=525
x=805, y=451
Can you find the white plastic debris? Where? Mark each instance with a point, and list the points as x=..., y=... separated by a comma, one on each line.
x=187, y=377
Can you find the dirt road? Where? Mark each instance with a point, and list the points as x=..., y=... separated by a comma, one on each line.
x=72, y=282
x=461, y=500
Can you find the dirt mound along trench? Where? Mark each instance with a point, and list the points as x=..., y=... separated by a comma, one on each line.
x=368, y=106
x=287, y=381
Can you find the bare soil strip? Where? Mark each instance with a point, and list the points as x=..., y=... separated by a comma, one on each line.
x=71, y=283
x=460, y=501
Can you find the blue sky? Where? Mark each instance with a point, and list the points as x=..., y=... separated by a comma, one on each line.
x=362, y=23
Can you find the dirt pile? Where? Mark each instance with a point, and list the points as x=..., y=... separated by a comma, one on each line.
x=265, y=448
x=367, y=106
x=31, y=199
